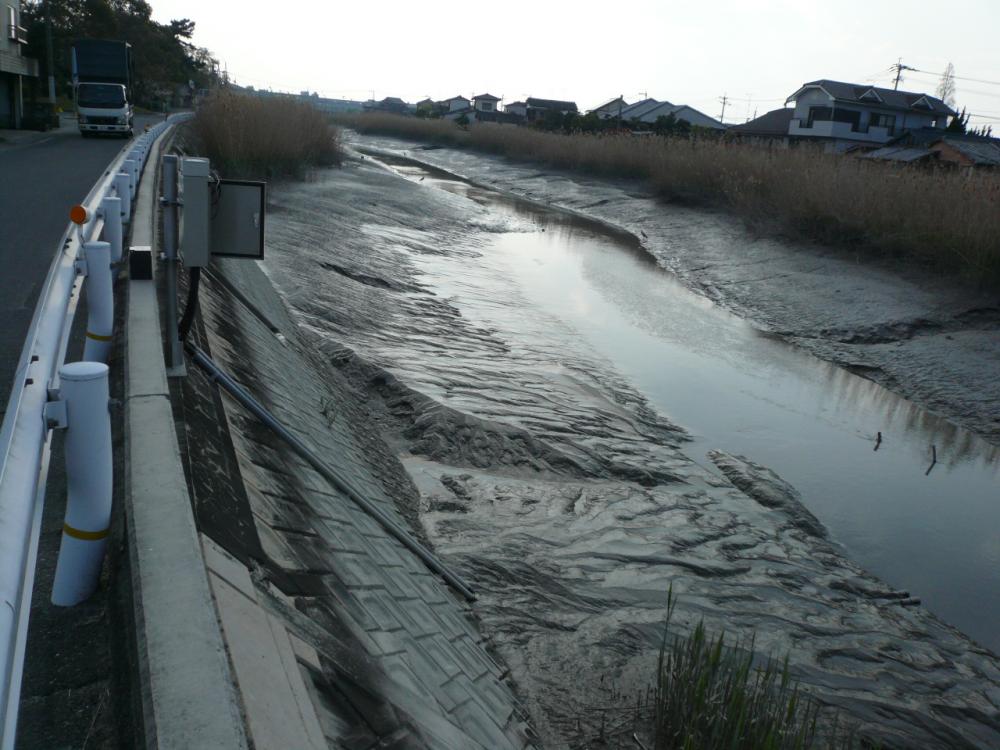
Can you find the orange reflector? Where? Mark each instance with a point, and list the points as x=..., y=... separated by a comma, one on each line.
x=78, y=215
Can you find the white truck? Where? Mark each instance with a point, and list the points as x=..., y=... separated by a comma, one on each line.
x=103, y=72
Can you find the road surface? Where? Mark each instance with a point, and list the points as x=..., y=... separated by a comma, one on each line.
x=41, y=176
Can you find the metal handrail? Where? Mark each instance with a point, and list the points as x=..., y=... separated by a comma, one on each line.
x=25, y=437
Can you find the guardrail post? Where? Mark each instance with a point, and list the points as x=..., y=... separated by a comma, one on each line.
x=128, y=166
x=124, y=191
x=100, y=302
x=113, y=226
x=84, y=390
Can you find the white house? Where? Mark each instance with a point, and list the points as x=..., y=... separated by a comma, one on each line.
x=852, y=113
x=485, y=102
x=455, y=104
x=519, y=109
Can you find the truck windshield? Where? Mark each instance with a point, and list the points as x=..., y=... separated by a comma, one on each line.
x=102, y=96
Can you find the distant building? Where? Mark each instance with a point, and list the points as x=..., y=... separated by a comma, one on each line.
x=680, y=112
x=518, y=109
x=391, y=104
x=536, y=109
x=455, y=104
x=771, y=126
x=15, y=66
x=932, y=146
x=610, y=110
x=485, y=103
x=638, y=109
x=847, y=113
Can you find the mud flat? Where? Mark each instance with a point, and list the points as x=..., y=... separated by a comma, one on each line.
x=550, y=480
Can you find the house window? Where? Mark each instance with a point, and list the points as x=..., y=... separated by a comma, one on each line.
x=848, y=115
x=877, y=120
x=819, y=114
x=486, y=106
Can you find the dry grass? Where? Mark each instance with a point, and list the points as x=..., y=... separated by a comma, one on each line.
x=247, y=136
x=947, y=218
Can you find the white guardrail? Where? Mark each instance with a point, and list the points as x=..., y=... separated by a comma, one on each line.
x=25, y=438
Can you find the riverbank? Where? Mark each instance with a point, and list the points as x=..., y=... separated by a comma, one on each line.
x=946, y=220
x=548, y=480
x=934, y=341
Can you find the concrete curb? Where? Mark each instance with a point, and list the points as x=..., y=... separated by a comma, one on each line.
x=187, y=691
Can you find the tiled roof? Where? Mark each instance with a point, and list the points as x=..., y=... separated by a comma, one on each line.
x=775, y=122
x=853, y=92
x=551, y=104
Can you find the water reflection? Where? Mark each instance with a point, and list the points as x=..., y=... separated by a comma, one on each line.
x=736, y=388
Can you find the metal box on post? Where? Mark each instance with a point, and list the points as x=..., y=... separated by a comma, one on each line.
x=237, y=219
x=195, y=231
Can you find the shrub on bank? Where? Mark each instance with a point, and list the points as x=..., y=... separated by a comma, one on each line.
x=248, y=136
x=711, y=695
x=950, y=218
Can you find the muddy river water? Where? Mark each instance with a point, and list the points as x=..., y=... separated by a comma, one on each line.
x=560, y=401
x=922, y=510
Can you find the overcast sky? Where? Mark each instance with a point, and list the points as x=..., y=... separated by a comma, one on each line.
x=692, y=52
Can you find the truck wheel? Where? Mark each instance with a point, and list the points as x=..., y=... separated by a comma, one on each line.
x=85, y=134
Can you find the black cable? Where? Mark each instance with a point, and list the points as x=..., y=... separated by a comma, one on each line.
x=194, y=276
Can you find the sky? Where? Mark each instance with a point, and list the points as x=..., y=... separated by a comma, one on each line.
x=755, y=52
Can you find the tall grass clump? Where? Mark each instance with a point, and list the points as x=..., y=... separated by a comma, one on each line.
x=946, y=218
x=248, y=136
x=710, y=695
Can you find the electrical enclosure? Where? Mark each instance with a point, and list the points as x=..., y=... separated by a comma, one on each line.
x=195, y=226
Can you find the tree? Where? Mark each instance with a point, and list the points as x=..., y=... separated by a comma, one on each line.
x=462, y=121
x=946, y=88
x=959, y=124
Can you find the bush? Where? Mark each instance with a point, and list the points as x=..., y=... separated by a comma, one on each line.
x=949, y=218
x=248, y=136
x=710, y=695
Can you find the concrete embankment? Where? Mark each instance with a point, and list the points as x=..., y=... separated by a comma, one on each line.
x=383, y=650
x=566, y=498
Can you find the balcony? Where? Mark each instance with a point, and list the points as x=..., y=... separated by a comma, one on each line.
x=839, y=130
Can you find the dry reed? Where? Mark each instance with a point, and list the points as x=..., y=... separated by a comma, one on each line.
x=947, y=218
x=247, y=136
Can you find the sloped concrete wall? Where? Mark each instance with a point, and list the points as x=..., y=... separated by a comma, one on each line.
x=387, y=652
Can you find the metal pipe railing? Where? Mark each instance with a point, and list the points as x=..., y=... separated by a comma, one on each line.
x=25, y=435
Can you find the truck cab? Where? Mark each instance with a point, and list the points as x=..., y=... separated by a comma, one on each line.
x=103, y=108
x=103, y=75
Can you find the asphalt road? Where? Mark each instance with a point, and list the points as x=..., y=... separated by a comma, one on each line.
x=41, y=177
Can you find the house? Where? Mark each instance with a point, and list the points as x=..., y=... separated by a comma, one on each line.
x=485, y=103
x=455, y=104
x=536, y=109
x=610, y=110
x=771, y=126
x=930, y=145
x=15, y=67
x=849, y=113
x=638, y=109
x=978, y=152
x=680, y=112
x=518, y=109
x=392, y=104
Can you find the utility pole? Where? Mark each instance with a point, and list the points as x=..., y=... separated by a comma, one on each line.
x=725, y=100
x=48, y=53
x=899, y=68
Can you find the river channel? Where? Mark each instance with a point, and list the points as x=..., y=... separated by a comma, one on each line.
x=556, y=395
x=920, y=507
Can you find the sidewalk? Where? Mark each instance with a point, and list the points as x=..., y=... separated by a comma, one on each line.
x=9, y=137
